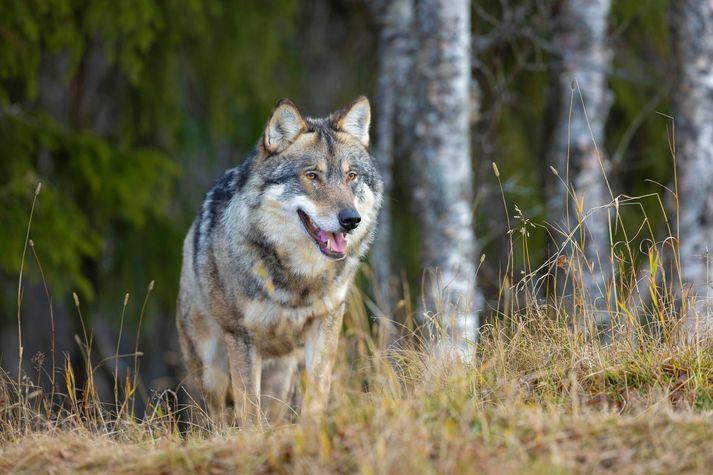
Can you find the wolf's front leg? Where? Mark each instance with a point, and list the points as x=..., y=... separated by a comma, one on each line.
x=245, y=371
x=320, y=352
x=278, y=385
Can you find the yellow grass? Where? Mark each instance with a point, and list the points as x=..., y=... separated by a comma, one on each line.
x=537, y=398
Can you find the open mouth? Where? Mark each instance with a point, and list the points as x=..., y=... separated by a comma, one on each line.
x=332, y=245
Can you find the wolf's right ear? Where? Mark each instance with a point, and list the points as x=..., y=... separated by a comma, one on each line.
x=283, y=128
x=354, y=119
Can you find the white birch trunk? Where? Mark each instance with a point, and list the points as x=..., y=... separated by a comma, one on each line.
x=395, y=20
x=441, y=157
x=577, y=152
x=693, y=23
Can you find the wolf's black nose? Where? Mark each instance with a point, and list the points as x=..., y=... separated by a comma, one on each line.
x=349, y=219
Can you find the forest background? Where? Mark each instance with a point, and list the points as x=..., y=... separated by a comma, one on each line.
x=127, y=111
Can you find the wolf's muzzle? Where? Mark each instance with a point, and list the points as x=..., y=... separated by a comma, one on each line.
x=349, y=219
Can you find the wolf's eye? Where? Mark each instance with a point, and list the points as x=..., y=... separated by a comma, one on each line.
x=311, y=176
x=351, y=176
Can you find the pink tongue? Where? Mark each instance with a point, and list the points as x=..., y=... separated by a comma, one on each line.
x=335, y=242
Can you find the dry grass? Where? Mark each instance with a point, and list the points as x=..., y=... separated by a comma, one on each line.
x=536, y=399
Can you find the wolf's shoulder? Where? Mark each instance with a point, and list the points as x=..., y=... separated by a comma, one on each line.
x=232, y=181
x=216, y=200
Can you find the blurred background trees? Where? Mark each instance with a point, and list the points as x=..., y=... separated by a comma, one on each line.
x=579, y=191
x=127, y=111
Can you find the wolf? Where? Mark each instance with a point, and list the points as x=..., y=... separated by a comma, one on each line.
x=269, y=260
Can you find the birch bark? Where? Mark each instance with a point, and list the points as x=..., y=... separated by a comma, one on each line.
x=693, y=43
x=392, y=102
x=577, y=155
x=441, y=156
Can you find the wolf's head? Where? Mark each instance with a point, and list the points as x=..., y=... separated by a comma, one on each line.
x=319, y=190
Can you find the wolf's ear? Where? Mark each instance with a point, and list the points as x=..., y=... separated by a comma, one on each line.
x=284, y=126
x=355, y=119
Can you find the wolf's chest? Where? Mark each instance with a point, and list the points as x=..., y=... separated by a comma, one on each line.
x=279, y=328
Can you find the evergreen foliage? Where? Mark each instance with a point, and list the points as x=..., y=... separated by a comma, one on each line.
x=107, y=104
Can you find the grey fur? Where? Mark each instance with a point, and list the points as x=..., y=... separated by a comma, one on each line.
x=257, y=296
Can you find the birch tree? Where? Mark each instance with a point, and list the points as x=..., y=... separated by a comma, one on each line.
x=443, y=194
x=395, y=49
x=579, y=192
x=693, y=43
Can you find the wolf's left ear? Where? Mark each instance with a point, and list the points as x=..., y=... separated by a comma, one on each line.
x=355, y=119
x=283, y=127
